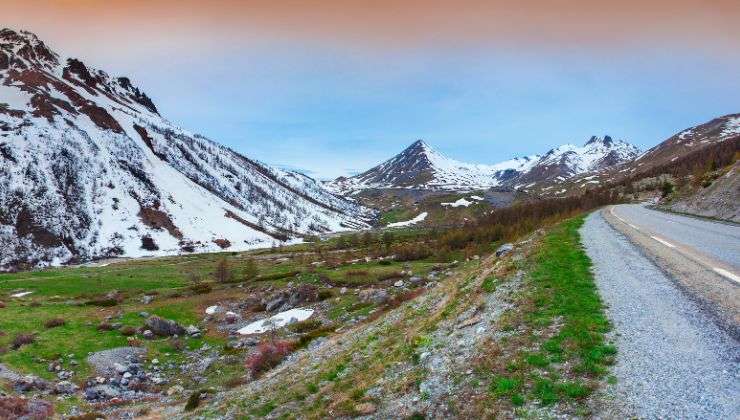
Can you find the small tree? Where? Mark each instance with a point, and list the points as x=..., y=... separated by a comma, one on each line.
x=666, y=189
x=223, y=272
x=250, y=269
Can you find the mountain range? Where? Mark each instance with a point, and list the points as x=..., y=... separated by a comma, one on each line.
x=89, y=169
x=421, y=167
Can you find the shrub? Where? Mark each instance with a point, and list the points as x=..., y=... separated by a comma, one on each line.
x=268, y=355
x=201, y=288
x=666, y=189
x=2, y=304
x=223, y=273
x=177, y=344
x=128, y=331
x=385, y=262
x=278, y=276
x=324, y=294
x=250, y=269
x=104, y=326
x=32, y=409
x=356, y=273
x=304, y=326
x=21, y=340
x=54, y=322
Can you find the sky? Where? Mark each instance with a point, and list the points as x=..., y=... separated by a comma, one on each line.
x=333, y=87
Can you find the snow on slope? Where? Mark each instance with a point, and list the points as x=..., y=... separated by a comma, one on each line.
x=420, y=218
x=88, y=169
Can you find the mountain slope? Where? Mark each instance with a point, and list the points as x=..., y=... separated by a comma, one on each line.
x=421, y=167
x=678, y=149
x=89, y=168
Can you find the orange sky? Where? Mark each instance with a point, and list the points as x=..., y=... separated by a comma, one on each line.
x=386, y=24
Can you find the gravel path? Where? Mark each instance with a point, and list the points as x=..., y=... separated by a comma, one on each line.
x=718, y=240
x=673, y=361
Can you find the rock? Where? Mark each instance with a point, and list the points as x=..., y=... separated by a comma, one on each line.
x=230, y=317
x=343, y=291
x=470, y=321
x=101, y=392
x=275, y=303
x=127, y=375
x=144, y=314
x=120, y=368
x=416, y=280
x=399, y=283
x=476, y=257
x=365, y=409
x=65, y=388
x=148, y=334
x=376, y=296
x=109, y=361
x=64, y=375
x=30, y=383
x=147, y=299
x=192, y=330
x=175, y=390
x=504, y=249
x=164, y=327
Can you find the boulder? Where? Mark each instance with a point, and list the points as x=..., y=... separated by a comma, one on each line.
x=163, y=327
x=504, y=249
x=192, y=330
x=399, y=283
x=376, y=296
x=65, y=388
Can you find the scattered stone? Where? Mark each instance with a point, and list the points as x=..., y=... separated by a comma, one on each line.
x=399, y=283
x=416, y=280
x=148, y=335
x=192, y=330
x=376, y=296
x=65, y=388
x=147, y=299
x=144, y=314
x=504, y=249
x=343, y=291
x=470, y=321
x=164, y=327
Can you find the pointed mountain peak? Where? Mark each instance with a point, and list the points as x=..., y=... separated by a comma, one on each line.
x=23, y=49
x=606, y=140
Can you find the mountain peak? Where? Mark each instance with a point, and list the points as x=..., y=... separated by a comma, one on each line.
x=23, y=49
x=606, y=140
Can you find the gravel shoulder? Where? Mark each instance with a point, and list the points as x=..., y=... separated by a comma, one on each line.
x=674, y=361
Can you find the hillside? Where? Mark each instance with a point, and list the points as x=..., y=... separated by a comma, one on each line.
x=89, y=169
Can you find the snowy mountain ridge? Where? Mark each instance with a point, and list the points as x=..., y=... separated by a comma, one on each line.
x=89, y=169
x=421, y=167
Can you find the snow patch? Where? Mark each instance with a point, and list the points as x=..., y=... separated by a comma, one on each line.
x=415, y=220
x=277, y=321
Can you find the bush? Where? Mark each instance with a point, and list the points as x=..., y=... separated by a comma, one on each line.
x=268, y=355
x=32, y=409
x=21, y=340
x=104, y=326
x=251, y=271
x=54, y=322
x=128, y=331
x=2, y=304
x=201, y=288
x=223, y=273
x=304, y=326
x=666, y=189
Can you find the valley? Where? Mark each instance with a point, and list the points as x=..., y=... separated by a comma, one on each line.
x=150, y=272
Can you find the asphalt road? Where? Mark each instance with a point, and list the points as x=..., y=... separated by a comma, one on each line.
x=673, y=360
x=719, y=241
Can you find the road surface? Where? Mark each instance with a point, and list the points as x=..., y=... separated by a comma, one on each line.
x=718, y=240
x=674, y=359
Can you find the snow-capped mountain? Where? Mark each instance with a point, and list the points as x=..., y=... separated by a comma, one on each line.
x=421, y=167
x=569, y=160
x=89, y=168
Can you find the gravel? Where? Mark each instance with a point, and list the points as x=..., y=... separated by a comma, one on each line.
x=673, y=360
x=105, y=361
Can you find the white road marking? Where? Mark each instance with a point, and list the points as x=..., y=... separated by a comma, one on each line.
x=666, y=243
x=633, y=226
x=727, y=274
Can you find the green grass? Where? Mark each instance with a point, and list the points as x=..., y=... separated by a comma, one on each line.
x=489, y=284
x=564, y=293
